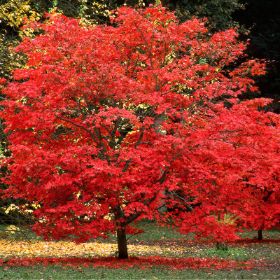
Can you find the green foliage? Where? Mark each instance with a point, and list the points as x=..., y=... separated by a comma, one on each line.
x=93, y=11
x=218, y=12
x=9, y=60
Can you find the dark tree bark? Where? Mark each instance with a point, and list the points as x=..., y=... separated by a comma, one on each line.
x=221, y=246
x=260, y=234
x=122, y=244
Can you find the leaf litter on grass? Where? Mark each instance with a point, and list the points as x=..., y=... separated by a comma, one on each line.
x=97, y=254
x=38, y=248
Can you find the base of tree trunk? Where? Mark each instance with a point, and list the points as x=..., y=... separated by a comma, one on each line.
x=122, y=244
x=221, y=246
x=260, y=234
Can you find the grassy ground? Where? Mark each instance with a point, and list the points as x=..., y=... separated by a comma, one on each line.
x=165, y=242
x=53, y=272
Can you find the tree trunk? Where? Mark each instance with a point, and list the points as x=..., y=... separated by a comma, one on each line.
x=122, y=244
x=260, y=234
x=221, y=246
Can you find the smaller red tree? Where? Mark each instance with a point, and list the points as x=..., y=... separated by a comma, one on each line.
x=237, y=155
x=106, y=123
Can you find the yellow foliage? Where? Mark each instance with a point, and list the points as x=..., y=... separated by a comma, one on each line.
x=12, y=229
x=11, y=208
x=24, y=209
x=228, y=219
x=37, y=248
x=16, y=12
x=100, y=8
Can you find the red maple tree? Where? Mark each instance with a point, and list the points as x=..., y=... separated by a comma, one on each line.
x=109, y=125
x=237, y=155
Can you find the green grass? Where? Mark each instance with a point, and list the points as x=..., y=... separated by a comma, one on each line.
x=153, y=232
x=232, y=253
x=54, y=272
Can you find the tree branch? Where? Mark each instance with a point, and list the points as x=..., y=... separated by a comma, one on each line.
x=79, y=126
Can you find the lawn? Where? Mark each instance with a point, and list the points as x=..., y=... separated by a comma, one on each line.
x=157, y=241
x=53, y=272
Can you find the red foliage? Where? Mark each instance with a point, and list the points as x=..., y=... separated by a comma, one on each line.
x=143, y=263
x=109, y=124
x=3, y=81
x=238, y=160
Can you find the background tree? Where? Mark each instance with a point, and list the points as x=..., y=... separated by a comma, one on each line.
x=239, y=165
x=262, y=19
x=220, y=13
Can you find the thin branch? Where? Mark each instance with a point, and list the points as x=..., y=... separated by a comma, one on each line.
x=126, y=165
x=138, y=142
x=183, y=199
x=79, y=126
